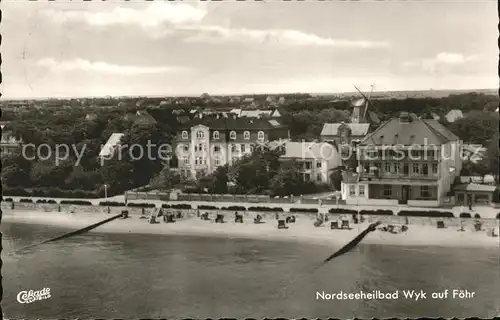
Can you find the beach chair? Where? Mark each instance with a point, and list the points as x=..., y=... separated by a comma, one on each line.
x=281, y=224
x=345, y=224
x=290, y=219
x=404, y=228
x=257, y=219
x=219, y=218
x=326, y=217
x=478, y=225
x=204, y=216
x=391, y=228
x=179, y=214
x=124, y=214
x=152, y=219
x=170, y=218
x=238, y=218
x=440, y=224
x=277, y=216
x=318, y=223
x=355, y=219
x=334, y=225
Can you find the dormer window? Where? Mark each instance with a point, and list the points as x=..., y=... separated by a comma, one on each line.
x=232, y=135
x=260, y=135
x=216, y=134
x=184, y=134
x=200, y=134
x=246, y=135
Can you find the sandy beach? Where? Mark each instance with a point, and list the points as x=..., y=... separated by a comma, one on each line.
x=301, y=230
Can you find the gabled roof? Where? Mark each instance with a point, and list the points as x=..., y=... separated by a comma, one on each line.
x=357, y=129
x=349, y=177
x=235, y=123
x=416, y=131
x=310, y=150
x=113, y=141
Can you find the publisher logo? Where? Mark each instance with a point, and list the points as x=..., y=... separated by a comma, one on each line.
x=32, y=296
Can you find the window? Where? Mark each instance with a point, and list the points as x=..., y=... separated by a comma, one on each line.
x=232, y=135
x=200, y=134
x=406, y=169
x=352, y=190
x=216, y=135
x=318, y=164
x=307, y=165
x=362, y=190
x=425, y=169
x=196, y=161
x=430, y=154
x=434, y=168
x=242, y=148
x=217, y=162
x=416, y=168
x=387, y=167
x=307, y=177
x=387, y=190
x=200, y=147
x=319, y=177
x=260, y=135
x=246, y=135
x=186, y=160
x=233, y=148
x=184, y=134
x=425, y=192
x=185, y=148
x=216, y=148
x=195, y=148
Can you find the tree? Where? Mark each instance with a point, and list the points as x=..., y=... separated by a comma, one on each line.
x=165, y=179
x=288, y=180
x=336, y=179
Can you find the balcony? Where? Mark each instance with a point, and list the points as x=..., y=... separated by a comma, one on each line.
x=398, y=176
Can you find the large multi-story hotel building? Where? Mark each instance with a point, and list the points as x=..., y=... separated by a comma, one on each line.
x=407, y=160
x=204, y=144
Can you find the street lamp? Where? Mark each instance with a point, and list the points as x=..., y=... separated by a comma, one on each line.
x=106, y=195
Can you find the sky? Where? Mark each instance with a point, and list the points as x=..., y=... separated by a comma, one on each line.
x=138, y=48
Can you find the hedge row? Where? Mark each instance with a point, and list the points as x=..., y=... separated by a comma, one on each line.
x=26, y=201
x=8, y=200
x=342, y=211
x=437, y=214
x=77, y=202
x=176, y=206
x=51, y=193
x=202, y=207
x=265, y=209
x=377, y=212
x=498, y=215
x=112, y=204
x=311, y=210
x=235, y=208
x=46, y=201
x=141, y=205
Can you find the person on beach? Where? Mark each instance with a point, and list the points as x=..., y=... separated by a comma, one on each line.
x=470, y=204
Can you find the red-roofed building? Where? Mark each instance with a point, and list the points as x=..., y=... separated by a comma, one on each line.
x=409, y=160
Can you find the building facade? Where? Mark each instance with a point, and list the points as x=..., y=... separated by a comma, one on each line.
x=408, y=160
x=204, y=144
x=9, y=144
x=317, y=159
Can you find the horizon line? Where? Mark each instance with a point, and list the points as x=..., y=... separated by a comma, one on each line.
x=234, y=94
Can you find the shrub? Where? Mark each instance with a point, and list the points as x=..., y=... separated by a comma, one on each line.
x=141, y=205
x=112, y=204
x=266, y=209
x=477, y=216
x=77, y=202
x=465, y=215
x=26, y=200
x=165, y=206
x=377, y=212
x=342, y=211
x=308, y=210
x=46, y=201
x=234, y=208
x=435, y=214
x=15, y=191
x=203, y=207
x=181, y=206
x=498, y=215
x=8, y=200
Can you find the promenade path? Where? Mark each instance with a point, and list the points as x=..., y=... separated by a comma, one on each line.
x=485, y=211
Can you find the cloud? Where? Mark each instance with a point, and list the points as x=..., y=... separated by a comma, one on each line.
x=103, y=67
x=443, y=58
x=154, y=15
x=216, y=34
